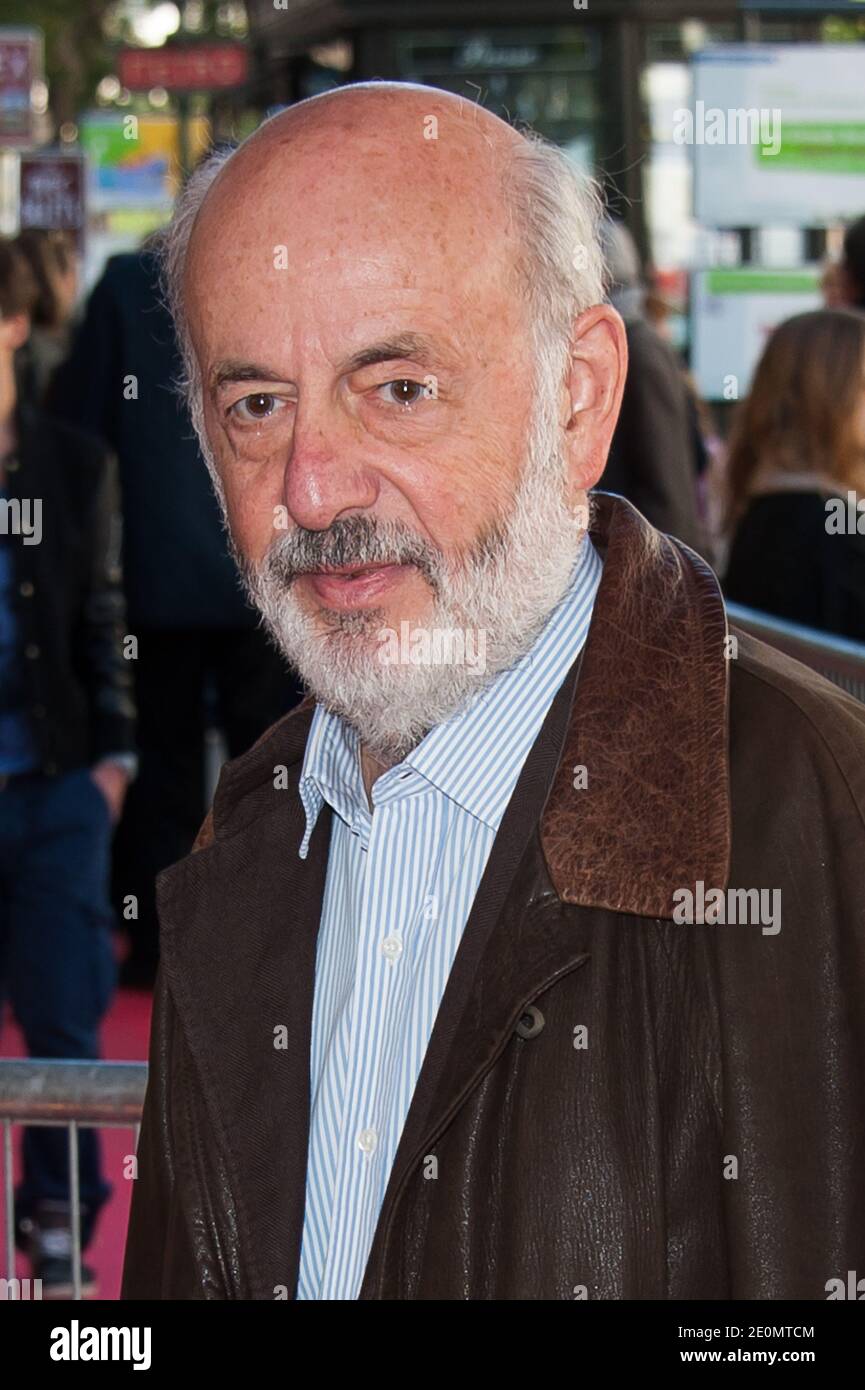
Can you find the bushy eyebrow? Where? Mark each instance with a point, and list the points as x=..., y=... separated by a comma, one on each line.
x=404, y=346
x=224, y=372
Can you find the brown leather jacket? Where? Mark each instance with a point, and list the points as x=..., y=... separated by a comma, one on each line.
x=707, y=1141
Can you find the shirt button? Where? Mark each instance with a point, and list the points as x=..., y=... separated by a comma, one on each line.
x=367, y=1140
x=391, y=948
x=31, y=651
x=26, y=589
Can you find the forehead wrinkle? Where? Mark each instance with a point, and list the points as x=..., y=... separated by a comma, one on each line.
x=433, y=248
x=434, y=199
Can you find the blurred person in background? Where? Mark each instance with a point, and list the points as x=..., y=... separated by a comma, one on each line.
x=194, y=628
x=798, y=441
x=853, y=266
x=66, y=741
x=657, y=451
x=53, y=263
x=833, y=285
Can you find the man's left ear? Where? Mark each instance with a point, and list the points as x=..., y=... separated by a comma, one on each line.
x=596, y=380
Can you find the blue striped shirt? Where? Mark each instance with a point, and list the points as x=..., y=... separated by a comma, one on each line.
x=401, y=880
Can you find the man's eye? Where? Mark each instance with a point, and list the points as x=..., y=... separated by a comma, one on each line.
x=403, y=391
x=256, y=407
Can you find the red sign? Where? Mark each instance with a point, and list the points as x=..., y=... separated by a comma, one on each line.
x=189, y=67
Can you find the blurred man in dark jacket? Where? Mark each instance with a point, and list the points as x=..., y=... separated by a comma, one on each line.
x=656, y=449
x=66, y=741
x=194, y=629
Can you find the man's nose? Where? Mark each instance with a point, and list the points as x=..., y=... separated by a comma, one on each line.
x=325, y=477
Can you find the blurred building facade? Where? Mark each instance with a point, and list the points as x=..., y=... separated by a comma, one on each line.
x=596, y=77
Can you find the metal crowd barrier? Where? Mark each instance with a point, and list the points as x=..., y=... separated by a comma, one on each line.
x=839, y=660
x=76, y=1095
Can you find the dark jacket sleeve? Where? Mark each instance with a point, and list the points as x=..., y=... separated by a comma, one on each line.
x=182, y=1238
x=101, y=666
x=653, y=461
x=791, y=1006
x=159, y=1262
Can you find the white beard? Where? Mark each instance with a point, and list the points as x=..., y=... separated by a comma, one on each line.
x=504, y=587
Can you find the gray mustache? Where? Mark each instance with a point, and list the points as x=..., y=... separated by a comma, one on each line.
x=359, y=540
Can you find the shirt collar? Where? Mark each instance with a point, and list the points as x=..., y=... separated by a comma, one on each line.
x=475, y=757
x=331, y=772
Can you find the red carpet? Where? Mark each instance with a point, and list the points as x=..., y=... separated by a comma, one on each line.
x=125, y=1032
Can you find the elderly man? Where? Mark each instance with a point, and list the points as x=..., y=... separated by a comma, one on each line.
x=525, y=959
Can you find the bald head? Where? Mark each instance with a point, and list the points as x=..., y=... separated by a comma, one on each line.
x=397, y=132
x=417, y=160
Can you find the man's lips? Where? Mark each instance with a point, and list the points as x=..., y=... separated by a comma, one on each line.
x=353, y=586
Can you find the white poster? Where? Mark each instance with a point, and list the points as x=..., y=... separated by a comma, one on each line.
x=733, y=311
x=777, y=134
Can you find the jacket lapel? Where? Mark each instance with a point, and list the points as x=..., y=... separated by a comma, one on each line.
x=649, y=726
x=239, y=922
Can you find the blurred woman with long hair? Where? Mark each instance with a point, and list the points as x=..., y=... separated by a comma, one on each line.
x=797, y=445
